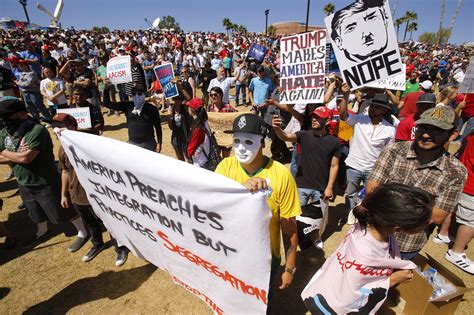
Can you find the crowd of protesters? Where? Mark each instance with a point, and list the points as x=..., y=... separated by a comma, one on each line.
x=397, y=145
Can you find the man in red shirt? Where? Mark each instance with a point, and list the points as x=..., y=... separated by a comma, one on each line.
x=406, y=128
x=408, y=105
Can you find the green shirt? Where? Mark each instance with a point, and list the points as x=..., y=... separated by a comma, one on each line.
x=101, y=72
x=42, y=170
x=410, y=87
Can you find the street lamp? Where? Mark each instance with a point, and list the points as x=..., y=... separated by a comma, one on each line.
x=266, y=21
x=307, y=15
x=23, y=3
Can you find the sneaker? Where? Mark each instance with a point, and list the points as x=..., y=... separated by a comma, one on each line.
x=78, y=243
x=94, y=251
x=122, y=256
x=21, y=206
x=34, y=241
x=441, y=239
x=319, y=244
x=9, y=176
x=460, y=260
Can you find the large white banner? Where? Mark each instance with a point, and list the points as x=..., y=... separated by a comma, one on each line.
x=302, y=69
x=119, y=70
x=364, y=41
x=206, y=230
x=467, y=85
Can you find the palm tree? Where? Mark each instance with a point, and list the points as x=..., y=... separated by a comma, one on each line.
x=413, y=27
x=399, y=22
x=271, y=30
x=394, y=9
x=441, y=22
x=409, y=16
x=329, y=8
x=227, y=24
x=454, y=19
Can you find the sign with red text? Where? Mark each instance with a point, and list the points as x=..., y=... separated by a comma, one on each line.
x=303, y=61
x=82, y=115
x=119, y=70
x=165, y=75
x=206, y=230
x=365, y=43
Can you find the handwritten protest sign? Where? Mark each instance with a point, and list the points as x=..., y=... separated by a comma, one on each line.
x=82, y=115
x=365, y=43
x=467, y=85
x=206, y=230
x=165, y=75
x=396, y=82
x=119, y=70
x=303, y=59
x=257, y=52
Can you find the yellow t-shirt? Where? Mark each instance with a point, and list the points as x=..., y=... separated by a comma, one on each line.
x=282, y=195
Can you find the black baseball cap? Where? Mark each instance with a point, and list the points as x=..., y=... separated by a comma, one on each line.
x=427, y=98
x=248, y=123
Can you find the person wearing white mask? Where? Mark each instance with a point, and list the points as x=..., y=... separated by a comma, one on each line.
x=257, y=172
x=142, y=119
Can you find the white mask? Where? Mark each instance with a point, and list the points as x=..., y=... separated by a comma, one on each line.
x=246, y=146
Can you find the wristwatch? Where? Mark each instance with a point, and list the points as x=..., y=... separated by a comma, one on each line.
x=290, y=270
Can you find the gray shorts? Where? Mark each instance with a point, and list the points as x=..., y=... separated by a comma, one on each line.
x=465, y=210
x=44, y=203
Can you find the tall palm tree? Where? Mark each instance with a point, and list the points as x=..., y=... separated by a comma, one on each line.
x=399, y=22
x=409, y=16
x=441, y=22
x=394, y=9
x=413, y=27
x=227, y=24
x=329, y=8
x=450, y=29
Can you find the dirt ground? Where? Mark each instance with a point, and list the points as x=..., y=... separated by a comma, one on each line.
x=50, y=280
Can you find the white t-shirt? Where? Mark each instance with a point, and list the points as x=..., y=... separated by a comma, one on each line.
x=367, y=142
x=51, y=87
x=224, y=84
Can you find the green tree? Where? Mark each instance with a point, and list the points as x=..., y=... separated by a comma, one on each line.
x=441, y=22
x=100, y=29
x=241, y=29
x=432, y=38
x=413, y=27
x=329, y=9
x=271, y=30
x=169, y=22
x=227, y=25
x=453, y=20
x=399, y=22
x=409, y=16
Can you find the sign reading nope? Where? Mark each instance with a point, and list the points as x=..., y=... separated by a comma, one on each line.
x=205, y=229
x=82, y=115
x=119, y=70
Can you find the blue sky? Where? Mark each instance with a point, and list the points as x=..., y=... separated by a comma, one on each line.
x=207, y=15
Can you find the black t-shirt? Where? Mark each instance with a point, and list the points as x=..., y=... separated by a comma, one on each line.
x=315, y=162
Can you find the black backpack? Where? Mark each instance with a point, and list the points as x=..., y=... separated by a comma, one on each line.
x=214, y=156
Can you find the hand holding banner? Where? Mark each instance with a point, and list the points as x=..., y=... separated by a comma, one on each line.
x=206, y=230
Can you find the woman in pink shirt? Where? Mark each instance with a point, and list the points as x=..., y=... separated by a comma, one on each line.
x=357, y=276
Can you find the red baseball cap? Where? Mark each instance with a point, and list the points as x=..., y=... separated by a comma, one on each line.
x=322, y=112
x=195, y=103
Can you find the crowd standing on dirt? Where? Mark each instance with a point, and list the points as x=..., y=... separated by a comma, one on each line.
x=397, y=156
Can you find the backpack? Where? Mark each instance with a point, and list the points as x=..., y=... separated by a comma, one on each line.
x=214, y=156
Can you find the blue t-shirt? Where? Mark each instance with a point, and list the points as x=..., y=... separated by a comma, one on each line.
x=147, y=63
x=261, y=89
x=226, y=62
x=36, y=67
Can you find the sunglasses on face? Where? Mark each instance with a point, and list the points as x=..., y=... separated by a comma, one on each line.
x=434, y=131
x=213, y=95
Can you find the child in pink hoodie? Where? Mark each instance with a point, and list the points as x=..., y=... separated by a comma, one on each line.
x=355, y=279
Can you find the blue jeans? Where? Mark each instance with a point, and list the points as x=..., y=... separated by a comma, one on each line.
x=408, y=255
x=307, y=194
x=354, y=178
x=34, y=104
x=238, y=88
